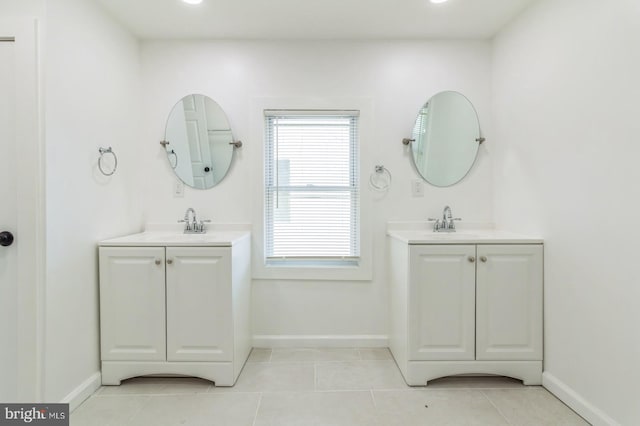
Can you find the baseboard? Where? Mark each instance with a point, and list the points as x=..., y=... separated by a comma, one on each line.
x=590, y=412
x=320, y=341
x=83, y=391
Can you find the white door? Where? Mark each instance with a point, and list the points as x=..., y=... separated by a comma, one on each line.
x=199, y=304
x=8, y=219
x=132, y=304
x=509, y=302
x=195, y=115
x=21, y=213
x=442, y=303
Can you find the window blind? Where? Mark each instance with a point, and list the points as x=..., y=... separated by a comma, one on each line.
x=312, y=199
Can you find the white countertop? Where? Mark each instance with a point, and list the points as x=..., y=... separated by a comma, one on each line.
x=213, y=238
x=463, y=236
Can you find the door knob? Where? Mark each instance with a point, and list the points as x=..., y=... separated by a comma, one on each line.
x=169, y=261
x=483, y=259
x=6, y=238
x=158, y=261
x=471, y=259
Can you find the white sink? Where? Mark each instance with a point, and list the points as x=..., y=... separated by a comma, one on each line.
x=488, y=236
x=164, y=238
x=445, y=235
x=187, y=237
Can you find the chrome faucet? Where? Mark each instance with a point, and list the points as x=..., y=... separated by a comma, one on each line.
x=190, y=210
x=191, y=224
x=446, y=214
x=447, y=223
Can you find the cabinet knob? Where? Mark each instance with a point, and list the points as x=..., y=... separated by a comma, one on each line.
x=158, y=261
x=483, y=259
x=471, y=259
x=169, y=261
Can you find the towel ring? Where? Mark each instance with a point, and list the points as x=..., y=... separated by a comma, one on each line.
x=381, y=172
x=173, y=165
x=103, y=151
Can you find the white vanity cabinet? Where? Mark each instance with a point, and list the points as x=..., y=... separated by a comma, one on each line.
x=509, y=302
x=441, y=303
x=132, y=304
x=174, y=310
x=199, y=304
x=461, y=306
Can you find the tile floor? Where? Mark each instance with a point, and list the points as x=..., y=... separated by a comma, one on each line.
x=313, y=387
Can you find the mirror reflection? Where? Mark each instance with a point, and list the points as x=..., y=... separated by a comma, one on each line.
x=446, y=136
x=198, y=141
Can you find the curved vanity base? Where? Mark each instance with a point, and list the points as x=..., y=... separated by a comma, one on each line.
x=418, y=373
x=113, y=372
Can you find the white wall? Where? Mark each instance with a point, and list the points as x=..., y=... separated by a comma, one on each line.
x=566, y=111
x=397, y=76
x=22, y=8
x=92, y=101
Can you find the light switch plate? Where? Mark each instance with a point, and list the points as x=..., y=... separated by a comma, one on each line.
x=417, y=188
x=178, y=189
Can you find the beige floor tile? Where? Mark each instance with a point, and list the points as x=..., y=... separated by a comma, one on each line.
x=358, y=375
x=107, y=410
x=260, y=355
x=374, y=353
x=475, y=382
x=533, y=406
x=273, y=377
x=157, y=385
x=199, y=410
x=435, y=407
x=314, y=355
x=316, y=408
x=312, y=387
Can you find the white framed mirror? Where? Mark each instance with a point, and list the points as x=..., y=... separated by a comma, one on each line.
x=445, y=139
x=198, y=141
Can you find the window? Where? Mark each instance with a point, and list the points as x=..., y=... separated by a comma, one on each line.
x=312, y=199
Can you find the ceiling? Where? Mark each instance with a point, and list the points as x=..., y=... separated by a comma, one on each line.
x=306, y=19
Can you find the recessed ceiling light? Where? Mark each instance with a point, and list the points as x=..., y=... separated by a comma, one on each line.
x=192, y=1
x=438, y=1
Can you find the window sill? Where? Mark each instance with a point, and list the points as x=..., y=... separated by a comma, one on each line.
x=353, y=270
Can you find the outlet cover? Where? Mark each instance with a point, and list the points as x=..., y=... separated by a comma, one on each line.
x=417, y=188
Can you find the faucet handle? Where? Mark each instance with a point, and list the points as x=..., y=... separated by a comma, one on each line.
x=200, y=227
x=438, y=225
x=187, y=226
x=451, y=223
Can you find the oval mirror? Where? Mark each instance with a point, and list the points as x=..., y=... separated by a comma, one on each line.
x=198, y=141
x=445, y=139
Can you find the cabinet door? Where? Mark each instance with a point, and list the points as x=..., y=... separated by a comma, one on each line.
x=132, y=309
x=509, y=302
x=199, y=321
x=442, y=302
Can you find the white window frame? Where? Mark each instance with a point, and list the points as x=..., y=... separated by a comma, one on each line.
x=273, y=189
x=361, y=268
